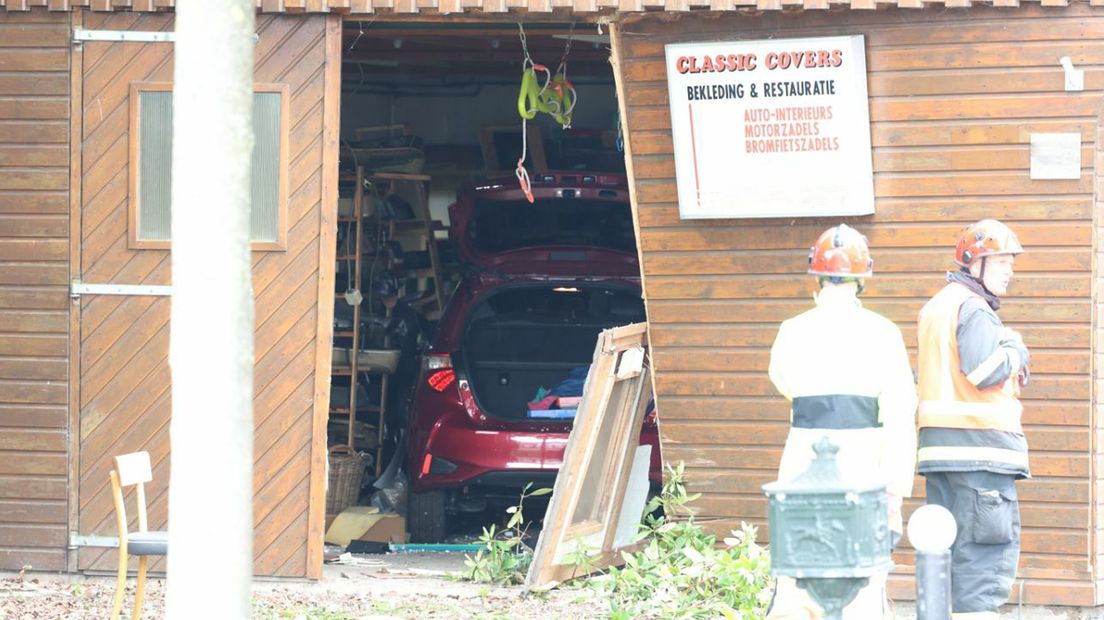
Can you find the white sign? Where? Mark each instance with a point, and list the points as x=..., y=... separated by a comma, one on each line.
x=1055, y=156
x=771, y=128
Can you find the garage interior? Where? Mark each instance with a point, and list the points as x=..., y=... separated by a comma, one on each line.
x=428, y=109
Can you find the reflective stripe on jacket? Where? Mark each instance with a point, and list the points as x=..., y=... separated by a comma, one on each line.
x=846, y=372
x=962, y=427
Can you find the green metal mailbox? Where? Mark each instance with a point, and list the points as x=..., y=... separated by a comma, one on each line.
x=830, y=534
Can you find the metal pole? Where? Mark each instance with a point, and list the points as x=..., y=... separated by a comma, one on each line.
x=933, y=585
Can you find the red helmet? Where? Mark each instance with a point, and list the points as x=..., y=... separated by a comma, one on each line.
x=841, y=251
x=985, y=238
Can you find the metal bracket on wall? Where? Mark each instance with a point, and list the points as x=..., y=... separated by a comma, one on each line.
x=76, y=540
x=78, y=288
x=80, y=35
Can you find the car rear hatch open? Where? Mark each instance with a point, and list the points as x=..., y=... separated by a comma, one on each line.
x=527, y=347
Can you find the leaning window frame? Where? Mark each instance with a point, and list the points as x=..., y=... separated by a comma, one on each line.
x=134, y=165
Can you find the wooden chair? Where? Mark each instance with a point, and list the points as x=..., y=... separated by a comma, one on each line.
x=134, y=470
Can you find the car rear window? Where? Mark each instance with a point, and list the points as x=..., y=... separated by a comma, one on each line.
x=504, y=225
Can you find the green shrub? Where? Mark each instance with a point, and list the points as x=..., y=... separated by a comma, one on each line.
x=682, y=573
x=504, y=558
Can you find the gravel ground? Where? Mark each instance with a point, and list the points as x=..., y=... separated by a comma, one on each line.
x=392, y=586
x=407, y=585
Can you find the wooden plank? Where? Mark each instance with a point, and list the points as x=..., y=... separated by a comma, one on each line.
x=33, y=179
x=760, y=433
x=34, y=369
x=33, y=535
x=33, y=155
x=1033, y=515
x=43, y=273
x=33, y=202
x=32, y=487
x=743, y=335
x=18, y=225
x=40, y=249
x=721, y=234
x=889, y=263
x=32, y=321
x=34, y=297
x=738, y=359
x=33, y=59
x=32, y=512
x=967, y=55
x=33, y=464
x=76, y=132
x=288, y=345
x=26, y=392
x=38, y=133
x=293, y=275
x=15, y=558
x=32, y=416
x=960, y=107
x=133, y=356
x=904, y=311
x=33, y=35
x=39, y=108
x=757, y=287
x=773, y=408
x=963, y=209
x=273, y=481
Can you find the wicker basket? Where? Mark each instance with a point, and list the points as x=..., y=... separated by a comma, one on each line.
x=346, y=474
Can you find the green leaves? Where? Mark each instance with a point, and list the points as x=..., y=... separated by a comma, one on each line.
x=682, y=573
x=504, y=558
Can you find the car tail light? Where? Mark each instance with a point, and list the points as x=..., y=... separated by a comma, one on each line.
x=439, y=372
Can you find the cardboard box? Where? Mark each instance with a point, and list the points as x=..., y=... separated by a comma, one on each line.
x=389, y=528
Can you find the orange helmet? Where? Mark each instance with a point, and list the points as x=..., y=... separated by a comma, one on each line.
x=985, y=238
x=841, y=251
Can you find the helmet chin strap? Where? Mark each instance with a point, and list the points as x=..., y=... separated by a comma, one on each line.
x=981, y=275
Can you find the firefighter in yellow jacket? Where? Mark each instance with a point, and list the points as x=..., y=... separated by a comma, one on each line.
x=846, y=373
x=972, y=446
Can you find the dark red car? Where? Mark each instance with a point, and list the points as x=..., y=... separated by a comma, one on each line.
x=546, y=279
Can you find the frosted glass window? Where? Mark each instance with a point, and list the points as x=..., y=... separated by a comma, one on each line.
x=265, y=214
x=155, y=139
x=155, y=165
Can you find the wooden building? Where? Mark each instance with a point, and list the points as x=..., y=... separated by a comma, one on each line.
x=955, y=92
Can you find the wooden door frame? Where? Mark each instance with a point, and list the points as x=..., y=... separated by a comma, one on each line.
x=76, y=131
x=327, y=256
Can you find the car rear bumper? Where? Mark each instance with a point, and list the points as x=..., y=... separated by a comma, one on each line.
x=461, y=454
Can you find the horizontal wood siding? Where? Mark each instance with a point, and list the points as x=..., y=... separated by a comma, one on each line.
x=953, y=101
x=34, y=276
x=1097, y=521
x=125, y=389
x=483, y=7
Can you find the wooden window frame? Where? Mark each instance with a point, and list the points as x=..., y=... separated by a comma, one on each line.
x=134, y=165
x=562, y=531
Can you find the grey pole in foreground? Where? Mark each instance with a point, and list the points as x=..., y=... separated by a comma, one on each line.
x=210, y=562
x=932, y=531
x=933, y=586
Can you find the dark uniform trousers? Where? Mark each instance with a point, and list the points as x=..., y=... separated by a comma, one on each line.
x=987, y=549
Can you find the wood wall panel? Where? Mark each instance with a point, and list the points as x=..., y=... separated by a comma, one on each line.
x=952, y=113
x=125, y=388
x=34, y=281
x=541, y=9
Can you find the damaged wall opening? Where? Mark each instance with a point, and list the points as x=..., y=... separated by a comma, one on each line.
x=474, y=310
